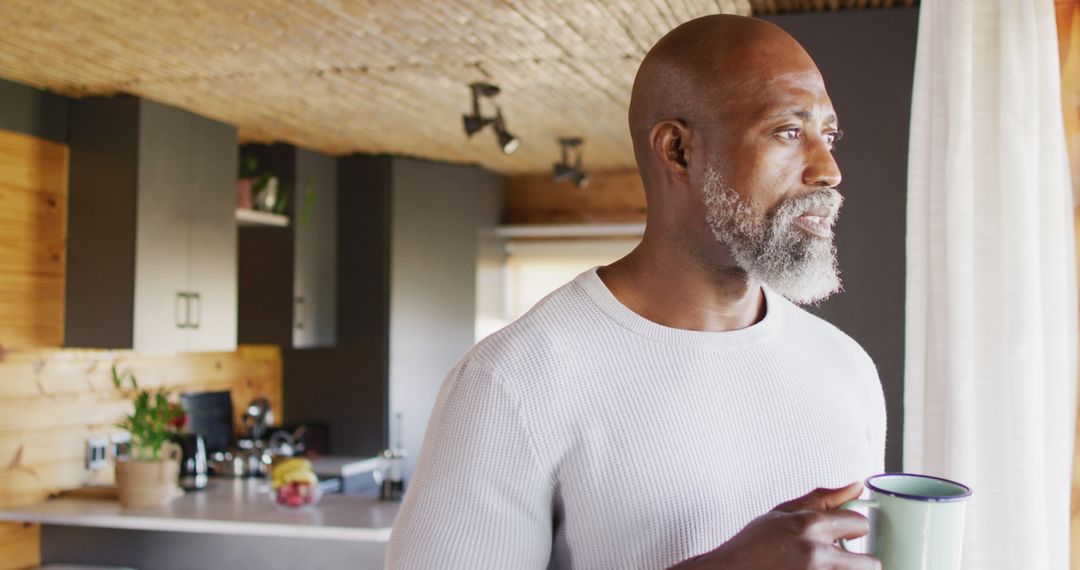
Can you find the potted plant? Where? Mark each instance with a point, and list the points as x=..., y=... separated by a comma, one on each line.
x=249, y=166
x=257, y=189
x=148, y=476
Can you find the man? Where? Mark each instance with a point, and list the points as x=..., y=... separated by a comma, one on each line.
x=655, y=411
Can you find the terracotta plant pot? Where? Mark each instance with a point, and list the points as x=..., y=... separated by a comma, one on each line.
x=148, y=483
x=243, y=193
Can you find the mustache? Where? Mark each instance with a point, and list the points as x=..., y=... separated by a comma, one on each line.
x=795, y=206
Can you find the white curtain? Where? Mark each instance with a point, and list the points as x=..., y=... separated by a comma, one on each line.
x=991, y=299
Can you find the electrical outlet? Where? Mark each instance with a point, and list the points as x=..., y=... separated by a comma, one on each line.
x=121, y=444
x=97, y=453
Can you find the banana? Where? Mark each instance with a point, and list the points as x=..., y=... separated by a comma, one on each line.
x=293, y=470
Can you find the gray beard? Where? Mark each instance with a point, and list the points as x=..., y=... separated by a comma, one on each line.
x=769, y=246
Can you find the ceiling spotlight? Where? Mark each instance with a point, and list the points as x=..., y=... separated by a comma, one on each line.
x=566, y=172
x=507, y=142
x=476, y=122
x=580, y=179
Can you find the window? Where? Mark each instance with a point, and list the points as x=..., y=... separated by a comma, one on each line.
x=534, y=268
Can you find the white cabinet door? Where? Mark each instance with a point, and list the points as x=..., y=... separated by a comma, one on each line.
x=212, y=237
x=161, y=241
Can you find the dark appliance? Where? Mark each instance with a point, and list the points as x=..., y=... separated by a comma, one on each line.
x=194, y=473
x=210, y=414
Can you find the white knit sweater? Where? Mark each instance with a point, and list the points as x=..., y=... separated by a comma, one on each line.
x=585, y=436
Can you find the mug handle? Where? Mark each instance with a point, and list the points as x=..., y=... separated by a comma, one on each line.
x=852, y=505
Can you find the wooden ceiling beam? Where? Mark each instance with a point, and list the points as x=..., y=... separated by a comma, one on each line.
x=611, y=198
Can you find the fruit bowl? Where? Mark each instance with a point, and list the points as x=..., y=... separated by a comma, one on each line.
x=294, y=485
x=296, y=496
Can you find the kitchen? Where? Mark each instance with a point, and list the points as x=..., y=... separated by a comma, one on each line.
x=313, y=228
x=337, y=386
x=392, y=330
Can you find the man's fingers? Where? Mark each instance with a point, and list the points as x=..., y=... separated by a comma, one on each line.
x=830, y=526
x=833, y=557
x=823, y=499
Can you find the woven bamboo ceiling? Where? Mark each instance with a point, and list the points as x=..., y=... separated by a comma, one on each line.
x=343, y=76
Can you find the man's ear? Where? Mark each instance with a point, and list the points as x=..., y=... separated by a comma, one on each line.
x=670, y=140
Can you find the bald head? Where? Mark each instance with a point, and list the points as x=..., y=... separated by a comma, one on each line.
x=733, y=133
x=695, y=70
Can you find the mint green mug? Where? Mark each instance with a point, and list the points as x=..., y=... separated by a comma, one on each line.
x=916, y=521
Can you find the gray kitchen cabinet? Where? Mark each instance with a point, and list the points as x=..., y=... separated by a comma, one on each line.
x=315, y=250
x=411, y=235
x=151, y=229
x=288, y=276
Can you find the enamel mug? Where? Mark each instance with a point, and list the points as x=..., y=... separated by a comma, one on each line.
x=916, y=521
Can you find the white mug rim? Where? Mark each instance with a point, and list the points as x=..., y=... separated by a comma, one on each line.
x=933, y=499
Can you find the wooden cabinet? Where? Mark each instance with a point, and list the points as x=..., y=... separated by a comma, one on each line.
x=288, y=276
x=152, y=234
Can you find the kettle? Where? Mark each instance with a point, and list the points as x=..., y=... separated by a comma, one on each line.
x=257, y=416
x=193, y=467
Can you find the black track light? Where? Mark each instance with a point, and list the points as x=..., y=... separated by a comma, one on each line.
x=507, y=142
x=476, y=122
x=566, y=172
x=580, y=179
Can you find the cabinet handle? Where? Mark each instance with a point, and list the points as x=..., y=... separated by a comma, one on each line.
x=187, y=311
x=198, y=310
x=299, y=320
x=180, y=324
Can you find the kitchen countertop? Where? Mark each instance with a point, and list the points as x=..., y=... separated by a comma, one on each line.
x=227, y=506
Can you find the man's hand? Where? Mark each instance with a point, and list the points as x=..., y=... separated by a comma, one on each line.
x=797, y=535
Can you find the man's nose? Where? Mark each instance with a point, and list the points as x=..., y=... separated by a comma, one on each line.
x=821, y=168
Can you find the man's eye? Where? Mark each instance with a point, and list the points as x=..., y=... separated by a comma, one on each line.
x=833, y=136
x=791, y=134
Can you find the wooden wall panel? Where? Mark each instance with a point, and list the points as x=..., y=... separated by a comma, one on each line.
x=52, y=400
x=1074, y=504
x=20, y=545
x=611, y=197
x=33, y=228
x=1069, y=56
x=1068, y=25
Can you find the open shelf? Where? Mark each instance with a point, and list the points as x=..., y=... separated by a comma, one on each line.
x=246, y=217
x=570, y=230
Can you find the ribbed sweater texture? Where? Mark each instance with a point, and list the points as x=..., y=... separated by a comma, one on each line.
x=585, y=436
